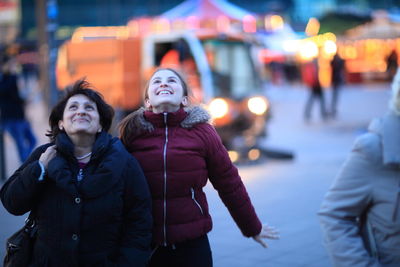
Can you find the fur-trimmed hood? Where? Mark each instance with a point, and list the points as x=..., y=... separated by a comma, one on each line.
x=194, y=115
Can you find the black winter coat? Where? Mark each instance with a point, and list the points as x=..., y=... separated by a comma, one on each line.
x=104, y=220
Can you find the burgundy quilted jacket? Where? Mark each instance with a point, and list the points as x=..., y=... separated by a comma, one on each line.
x=179, y=152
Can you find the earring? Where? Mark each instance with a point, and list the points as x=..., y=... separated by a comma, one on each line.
x=61, y=128
x=99, y=130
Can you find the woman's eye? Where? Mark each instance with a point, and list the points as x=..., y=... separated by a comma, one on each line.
x=156, y=81
x=172, y=81
x=72, y=107
x=89, y=108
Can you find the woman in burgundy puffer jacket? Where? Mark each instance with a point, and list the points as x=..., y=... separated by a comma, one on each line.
x=179, y=151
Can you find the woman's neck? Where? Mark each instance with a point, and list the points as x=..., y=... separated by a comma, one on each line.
x=82, y=144
x=165, y=108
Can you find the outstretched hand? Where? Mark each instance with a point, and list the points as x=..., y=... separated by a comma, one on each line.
x=266, y=232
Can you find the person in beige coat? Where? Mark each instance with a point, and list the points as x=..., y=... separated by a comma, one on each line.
x=360, y=214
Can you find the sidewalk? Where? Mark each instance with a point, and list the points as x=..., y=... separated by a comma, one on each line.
x=288, y=194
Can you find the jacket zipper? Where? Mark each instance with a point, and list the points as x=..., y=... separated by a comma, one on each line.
x=165, y=178
x=195, y=201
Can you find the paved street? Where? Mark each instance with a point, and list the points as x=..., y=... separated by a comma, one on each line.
x=285, y=193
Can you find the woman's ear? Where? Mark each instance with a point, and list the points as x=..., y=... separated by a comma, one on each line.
x=184, y=101
x=60, y=125
x=147, y=103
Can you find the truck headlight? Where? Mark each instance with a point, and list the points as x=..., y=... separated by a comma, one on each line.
x=218, y=108
x=257, y=105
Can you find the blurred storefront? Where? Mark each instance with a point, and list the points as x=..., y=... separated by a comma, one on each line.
x=371, y=49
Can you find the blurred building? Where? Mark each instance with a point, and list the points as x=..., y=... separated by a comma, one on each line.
x=9, y=17
x=75, y=13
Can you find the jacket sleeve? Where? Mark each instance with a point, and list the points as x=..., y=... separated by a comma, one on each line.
x=225, y=178
x=348, y=198
x=138, y=222
x=22, y=189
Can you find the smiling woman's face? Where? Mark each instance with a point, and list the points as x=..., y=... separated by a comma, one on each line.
x=80, y=116
x=165, y=92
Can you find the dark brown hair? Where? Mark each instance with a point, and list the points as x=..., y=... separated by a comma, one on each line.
x=80, y=87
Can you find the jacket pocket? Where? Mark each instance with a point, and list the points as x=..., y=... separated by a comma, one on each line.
x=195, y=201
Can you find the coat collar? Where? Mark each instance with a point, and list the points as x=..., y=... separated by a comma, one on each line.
x=172, y=118
x=146, y=121
x=106, y=174
x=65, y=146
x=388, y=128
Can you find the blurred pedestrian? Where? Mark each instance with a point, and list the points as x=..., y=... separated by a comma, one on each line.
x=12, y=113
x=28, y=61
x=391, y=64
x=337, y=66
x=179, y=151
x=310, y=78
x=88, y=196
x=360, y=215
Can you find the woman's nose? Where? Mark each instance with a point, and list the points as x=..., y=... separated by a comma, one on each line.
x=80, y=111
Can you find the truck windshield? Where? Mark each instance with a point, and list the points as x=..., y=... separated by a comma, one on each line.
x=232, y=68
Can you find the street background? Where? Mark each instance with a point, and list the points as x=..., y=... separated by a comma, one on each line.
x=286, y=193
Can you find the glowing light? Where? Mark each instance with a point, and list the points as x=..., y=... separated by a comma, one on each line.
x=218, y=108
x=192, y=22
x=223, y=24
x=330, y=36
x=291, y=45
x=253, y=154
x=257, y=105
x=330, y=47
x=162, y=25
x=249, y=23
x=350, y=52
x=233, y=155
x=312, y=27
x=145, y=25
x=308, y=50
x=276, y=22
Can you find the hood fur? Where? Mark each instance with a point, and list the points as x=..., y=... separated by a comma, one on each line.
x=195, y=116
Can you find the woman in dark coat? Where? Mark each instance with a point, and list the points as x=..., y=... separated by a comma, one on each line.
x=89, y=197
x=179, y=151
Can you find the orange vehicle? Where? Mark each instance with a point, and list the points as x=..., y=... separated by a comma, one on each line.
x=220, y=70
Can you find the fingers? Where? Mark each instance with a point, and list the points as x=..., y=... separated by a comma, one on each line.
x=49, y=154
x=260, y=241
x=269, y=232
x=270, y=236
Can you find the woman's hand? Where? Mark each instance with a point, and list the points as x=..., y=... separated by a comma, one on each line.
x=48, y=155
x=266, y=232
